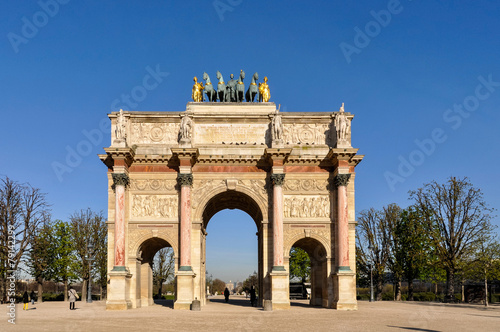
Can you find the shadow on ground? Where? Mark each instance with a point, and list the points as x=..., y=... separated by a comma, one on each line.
x=232, y=301
x=165, y=303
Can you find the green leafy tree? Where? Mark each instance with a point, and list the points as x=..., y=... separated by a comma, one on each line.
x=392, y=222
x=252, y=280
x=41, y=255
x=219, y=286
x=456, y=217
x=485, y=263
x=300, y=264
x=414, y=247
x=64, y=257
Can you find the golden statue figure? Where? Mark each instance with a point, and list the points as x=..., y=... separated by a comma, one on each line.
x=264, y=92
x=197, y=94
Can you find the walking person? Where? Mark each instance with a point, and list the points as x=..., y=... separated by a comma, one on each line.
x=73, y=296
x=252, y=296
x=226, y=295
x=32, y=297
x=25, y=300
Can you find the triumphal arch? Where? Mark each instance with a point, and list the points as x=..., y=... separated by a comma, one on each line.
x=292, y=172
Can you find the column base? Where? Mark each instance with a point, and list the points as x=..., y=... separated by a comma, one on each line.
x=119, y=289
x=280, y=284
x=185, y=289
x=344, y=290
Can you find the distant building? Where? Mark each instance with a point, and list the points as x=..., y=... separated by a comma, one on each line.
x=230, y=286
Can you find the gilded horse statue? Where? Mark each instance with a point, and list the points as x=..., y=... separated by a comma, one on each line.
x=240, y=88
x=221, y=88
x=209, y=89
x=253, y=90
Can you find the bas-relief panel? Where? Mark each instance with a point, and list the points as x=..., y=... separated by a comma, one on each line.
x=155, y=206
x=306, y=206
x=307, y=133
x=305, y=185
x=230, y=133
x=154, y=133
x=153, y=185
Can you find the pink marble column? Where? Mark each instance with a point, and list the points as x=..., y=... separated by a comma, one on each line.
x=120, y=180
x=185, y=182
x=278, y=180
x=341, y=181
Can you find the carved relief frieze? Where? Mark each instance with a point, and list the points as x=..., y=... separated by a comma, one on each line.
x=152, y=185
x=301, y=206
x=202, y=188
x=257, y=186
x=307, y=134
x=154, y=206
x=153, y=133
x=305, y=185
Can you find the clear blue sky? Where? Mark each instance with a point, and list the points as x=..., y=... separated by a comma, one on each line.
x=404, y=75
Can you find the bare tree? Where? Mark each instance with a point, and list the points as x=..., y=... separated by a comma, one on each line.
x=22, y=210
x=373, y=243
x=456, y=218
x=163, y=267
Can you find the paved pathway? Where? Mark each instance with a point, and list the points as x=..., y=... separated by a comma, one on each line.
x=237, y=315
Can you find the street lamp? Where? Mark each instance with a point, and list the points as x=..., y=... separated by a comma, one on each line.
x=89, y=257
x=371, y=274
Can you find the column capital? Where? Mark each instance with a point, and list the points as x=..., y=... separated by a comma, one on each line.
x=341, y=180
x=185, y=179
x=120, y=179
x=278, y=179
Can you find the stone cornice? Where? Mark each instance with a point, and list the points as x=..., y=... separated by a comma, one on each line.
x=347, y=154
x=127, y=154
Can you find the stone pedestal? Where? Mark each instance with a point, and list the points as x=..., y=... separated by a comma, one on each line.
x=185, y=290
x=344, y=291
x=279, y=290
x=118, y=290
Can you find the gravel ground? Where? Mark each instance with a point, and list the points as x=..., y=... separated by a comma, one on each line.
x=237, y=315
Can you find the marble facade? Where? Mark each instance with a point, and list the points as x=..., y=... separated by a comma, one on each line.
x=166, y=180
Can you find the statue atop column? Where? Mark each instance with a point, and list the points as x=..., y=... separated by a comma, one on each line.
x=120, y=130
x=185, y=131
x=277, y=129
x=343, y=127
x=197, y=93
x=264, y=92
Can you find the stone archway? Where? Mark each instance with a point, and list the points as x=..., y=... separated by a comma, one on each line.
x=238, y=198
x=170, y=172
x=320, y=269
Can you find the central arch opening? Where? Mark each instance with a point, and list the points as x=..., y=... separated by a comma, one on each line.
x=232, y=253
x=232, y=248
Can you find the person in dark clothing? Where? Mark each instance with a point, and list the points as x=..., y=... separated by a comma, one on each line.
x=32, y=297
x=226, y=294
x=252, y=296
x=25, y=300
